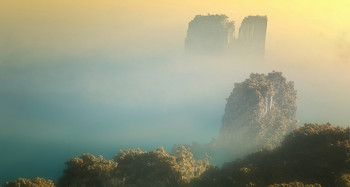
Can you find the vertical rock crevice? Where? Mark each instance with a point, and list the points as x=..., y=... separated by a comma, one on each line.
x=259, y=112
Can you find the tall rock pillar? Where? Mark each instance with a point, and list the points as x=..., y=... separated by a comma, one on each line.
x=252, y=35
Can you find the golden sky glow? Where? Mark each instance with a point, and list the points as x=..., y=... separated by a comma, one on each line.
x=312, y=33
x=68, y=26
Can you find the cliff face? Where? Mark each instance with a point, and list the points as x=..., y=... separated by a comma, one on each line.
x=212, y=34
x=259, y=112
x=252, y=35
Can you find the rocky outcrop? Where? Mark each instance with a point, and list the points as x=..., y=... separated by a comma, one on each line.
x=252, y=35
x=215, y=34
x=259, y=113
x=210, y=33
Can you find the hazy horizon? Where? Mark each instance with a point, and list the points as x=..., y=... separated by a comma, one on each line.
x=92, y=76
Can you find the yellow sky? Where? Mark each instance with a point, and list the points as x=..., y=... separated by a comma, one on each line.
x=307, y=28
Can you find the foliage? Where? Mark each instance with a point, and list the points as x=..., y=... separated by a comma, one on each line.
x=295, y=184
x=155, y=168
x=87, y=169
x=310, y=154
x=158, y=168
x=343, y=181
x=134, y=167
x=189, y=167
x=37, y=182
x=313, y=155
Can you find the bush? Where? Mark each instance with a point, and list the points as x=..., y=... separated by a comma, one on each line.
x=37, y=182
x=295, y=184
x=88, y=170
x=310, y=154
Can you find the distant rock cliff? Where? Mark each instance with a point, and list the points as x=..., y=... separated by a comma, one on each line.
x=211, y=33
x=215, y=34
x=259, y=112
x=252, y=35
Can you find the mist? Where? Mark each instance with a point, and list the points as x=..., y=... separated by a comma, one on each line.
x=117, y=77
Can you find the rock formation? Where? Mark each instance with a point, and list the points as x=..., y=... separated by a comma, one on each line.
x=211, y=33
x=252, y=35
x=259, y=113
x=214, y=34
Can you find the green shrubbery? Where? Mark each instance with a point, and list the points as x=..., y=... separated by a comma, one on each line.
x=314, y=155
x=134, y=168
x=88, y=169
x=311, y=154
x=37, y=182
x=295, y=184
x=343, y=180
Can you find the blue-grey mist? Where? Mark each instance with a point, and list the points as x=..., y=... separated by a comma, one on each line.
x=54, y=107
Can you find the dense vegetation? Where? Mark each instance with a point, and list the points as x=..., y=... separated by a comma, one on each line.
x=311, y=156
x=134, y=168
x=37, y=182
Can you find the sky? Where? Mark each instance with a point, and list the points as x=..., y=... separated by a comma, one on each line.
x=99, y=76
